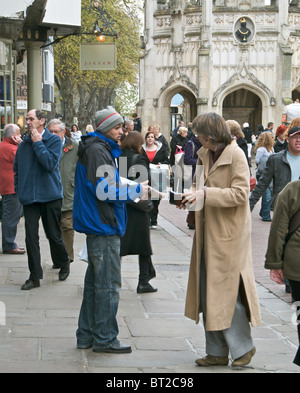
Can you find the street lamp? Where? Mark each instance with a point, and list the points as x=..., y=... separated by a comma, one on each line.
x=99, y=32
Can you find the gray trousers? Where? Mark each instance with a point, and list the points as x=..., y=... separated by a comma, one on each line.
x=11, y=214
x=237, y=339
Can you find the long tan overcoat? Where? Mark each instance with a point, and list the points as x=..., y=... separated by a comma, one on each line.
x=224, y=227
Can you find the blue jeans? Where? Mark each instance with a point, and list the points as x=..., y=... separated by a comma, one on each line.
x=266, y=205
x=97, y=325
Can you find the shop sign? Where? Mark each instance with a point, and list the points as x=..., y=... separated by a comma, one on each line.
x=95, y=57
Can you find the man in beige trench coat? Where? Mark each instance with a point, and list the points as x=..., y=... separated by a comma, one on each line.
x=222, y=244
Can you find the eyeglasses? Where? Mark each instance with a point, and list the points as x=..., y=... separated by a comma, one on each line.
x=55, y=132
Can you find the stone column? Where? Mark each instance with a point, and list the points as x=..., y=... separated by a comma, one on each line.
x=34, y=75
x=286, y=73
x=204, y=57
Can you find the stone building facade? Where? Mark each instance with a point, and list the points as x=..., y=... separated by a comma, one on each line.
x=239, y=58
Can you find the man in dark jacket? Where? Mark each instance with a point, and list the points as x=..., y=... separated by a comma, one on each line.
x=137, y=123
x=38, y=185
x=99, y=211
x=286, y=264
x=282, y=168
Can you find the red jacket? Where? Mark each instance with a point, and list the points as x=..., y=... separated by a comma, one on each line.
x=7, y=155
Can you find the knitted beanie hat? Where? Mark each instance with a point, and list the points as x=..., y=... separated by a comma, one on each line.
x=106, y=119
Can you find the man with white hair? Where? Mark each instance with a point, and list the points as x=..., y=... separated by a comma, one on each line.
x=67, y=167
x=11, y=206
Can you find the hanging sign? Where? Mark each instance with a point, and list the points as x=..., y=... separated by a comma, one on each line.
x=96, y=57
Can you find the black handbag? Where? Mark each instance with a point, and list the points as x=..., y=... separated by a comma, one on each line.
x=144, y=206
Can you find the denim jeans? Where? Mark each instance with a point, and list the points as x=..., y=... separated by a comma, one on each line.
x=97, y=325
x=266, y=205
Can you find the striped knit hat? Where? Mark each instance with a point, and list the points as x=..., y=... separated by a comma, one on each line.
x=106, y=119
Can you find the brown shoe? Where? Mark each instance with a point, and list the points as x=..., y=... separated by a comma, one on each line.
x=15, y=251
x=244, y=360
x=212, y=361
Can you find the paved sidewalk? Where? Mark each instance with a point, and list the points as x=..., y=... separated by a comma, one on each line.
x=39, y=330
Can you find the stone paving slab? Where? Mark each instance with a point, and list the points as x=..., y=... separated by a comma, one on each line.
x=39, y=333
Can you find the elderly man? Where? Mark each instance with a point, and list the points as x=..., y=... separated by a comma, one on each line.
x=11, y=206
x=67, y=167
x=38, y=185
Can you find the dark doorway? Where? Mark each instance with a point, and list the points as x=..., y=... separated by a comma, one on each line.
x=243, y=106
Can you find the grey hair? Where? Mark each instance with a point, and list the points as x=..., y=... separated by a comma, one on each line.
x=128, y=122
x=9, y=131
x=62, y=125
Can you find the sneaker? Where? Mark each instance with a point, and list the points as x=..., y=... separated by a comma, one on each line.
x=153, y=226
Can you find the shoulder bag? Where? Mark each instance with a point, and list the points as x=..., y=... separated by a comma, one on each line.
x=145, y=206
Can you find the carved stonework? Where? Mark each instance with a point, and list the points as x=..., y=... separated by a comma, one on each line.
x=163, y=22
x=194, y=20
x=176, y=6
x=201, y=50
x=245, y=5
x=193, y=3
x=243, y=75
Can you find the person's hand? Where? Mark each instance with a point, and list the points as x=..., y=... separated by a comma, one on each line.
x=146, y=189
x=193, y=200
x=35, y=135
x=277, y=276
x=16, y=139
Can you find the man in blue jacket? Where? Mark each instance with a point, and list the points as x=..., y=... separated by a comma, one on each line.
x=39, y=188
x=99, y=211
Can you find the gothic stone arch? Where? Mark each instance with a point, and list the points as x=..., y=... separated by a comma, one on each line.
x=164, y=104
x=254, y=104
x=250, y=83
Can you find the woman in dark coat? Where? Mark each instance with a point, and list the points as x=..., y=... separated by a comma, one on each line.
x=180, y=139
x=136, y=240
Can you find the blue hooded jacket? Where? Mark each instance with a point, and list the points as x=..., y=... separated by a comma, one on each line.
x=99, y=199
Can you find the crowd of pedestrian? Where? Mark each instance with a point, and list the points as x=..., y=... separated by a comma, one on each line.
x=104, y=184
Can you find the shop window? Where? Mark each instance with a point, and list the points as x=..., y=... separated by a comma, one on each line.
x=7, y=71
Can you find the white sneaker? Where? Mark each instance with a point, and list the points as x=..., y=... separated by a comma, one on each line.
x=153, y=226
